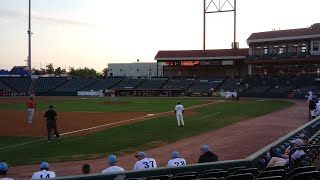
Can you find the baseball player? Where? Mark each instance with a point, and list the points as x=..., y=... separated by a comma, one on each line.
x=113, y=95
x=51, y=117
x=30, y=108
x=228, y=95
x=179, y=110
x=310, y=96
x=144, y=162
x=3, y=171
x=100, y=93
x=112, y=161
x=44, y=173
x=176, y=160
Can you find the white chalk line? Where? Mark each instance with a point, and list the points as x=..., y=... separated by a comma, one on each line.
x=109, y=124
x=210, y=115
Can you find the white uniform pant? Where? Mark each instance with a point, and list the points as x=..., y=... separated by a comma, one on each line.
x=30, y=115
x=113, y=97
x=180, y=119
x=100, y=94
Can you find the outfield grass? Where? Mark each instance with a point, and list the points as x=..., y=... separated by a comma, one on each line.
x=137, y=136
x=92, y=104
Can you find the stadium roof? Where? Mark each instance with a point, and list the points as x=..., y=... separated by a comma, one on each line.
x=202, y=55
x=289, y=34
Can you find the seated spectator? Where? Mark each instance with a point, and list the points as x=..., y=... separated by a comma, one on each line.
x=44, y=173
x=112, y=161
x=207, y=155
x=284, y=160
x=144, y=162
x=3, y=171
x=305, y=139
x=86, y=169
x=176, y=160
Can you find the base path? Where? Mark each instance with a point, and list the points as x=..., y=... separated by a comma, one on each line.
x=236, y=141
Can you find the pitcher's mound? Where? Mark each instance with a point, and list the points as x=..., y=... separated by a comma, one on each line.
x=116, y=102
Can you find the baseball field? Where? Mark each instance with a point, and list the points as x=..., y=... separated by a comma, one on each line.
x=95, y=127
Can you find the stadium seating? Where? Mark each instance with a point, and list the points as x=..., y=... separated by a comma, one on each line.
x=152, y=84
x=127, y=84
x=178, y=84
x=4, y=87
x=231, y=85
x=20, y=84
x=205, y=85
x=70, y=87
x=102, y=84
x=45, y=84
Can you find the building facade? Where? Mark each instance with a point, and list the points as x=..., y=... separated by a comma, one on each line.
x=132, y=69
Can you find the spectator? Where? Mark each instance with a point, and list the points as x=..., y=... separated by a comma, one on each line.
x=44, y=173
x=86, y=169
x=3, y=171
x=276, y=161
x=176, y=160
x=207, y=155
x=144, y=162
x=312, y=108
x=305, y=139
x=112, y=161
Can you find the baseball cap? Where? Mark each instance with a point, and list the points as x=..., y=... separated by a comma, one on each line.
x=3, y=166
x=205, y=148
x=44, y=165
x=51, y=106
x=143, y=154
x=304, y=137
x=298, y=142
x=112, y=159
x=175, y=154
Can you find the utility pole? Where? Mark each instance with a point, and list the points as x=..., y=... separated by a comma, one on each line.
x=29, y=41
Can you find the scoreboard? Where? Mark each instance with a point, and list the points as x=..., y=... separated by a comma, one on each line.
x=190, y=63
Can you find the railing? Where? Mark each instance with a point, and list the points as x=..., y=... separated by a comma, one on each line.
x=300, y=148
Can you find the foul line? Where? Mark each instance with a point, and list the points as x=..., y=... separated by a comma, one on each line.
x=211, y=115
x=109, y=124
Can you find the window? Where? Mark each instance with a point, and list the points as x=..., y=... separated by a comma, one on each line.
x=280, y=50
x=137, y=69
x=110, y=69
x=303, y=49
x=149, y=69
x=121, y=70
x=315, y=46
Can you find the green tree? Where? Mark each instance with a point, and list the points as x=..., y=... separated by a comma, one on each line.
x=49, y=69
x=58, y=71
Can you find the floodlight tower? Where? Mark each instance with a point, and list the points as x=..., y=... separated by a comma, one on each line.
x=29, y=41
x=219, y=7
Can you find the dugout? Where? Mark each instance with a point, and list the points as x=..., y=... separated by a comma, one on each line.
x=199, y=63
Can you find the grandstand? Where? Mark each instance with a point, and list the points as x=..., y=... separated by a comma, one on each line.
x=127, y=84
x=71, y=86
x=102, y=84
x=44, y=84
x=205, y=85
x=180, y=84
x=154, y=83
x=20, y=84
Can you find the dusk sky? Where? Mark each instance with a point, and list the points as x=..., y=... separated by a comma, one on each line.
x=93, y=33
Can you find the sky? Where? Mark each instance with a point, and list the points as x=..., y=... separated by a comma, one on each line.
x=93, y=33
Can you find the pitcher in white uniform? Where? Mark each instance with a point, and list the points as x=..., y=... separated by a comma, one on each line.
x=144, y=162
x=3, y=171
x=112, y=161
x=176, y=160
x=44, y=173
x=179, y=110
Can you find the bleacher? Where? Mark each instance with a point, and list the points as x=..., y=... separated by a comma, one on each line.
x=4, y=87
x=205, y=85
x=102, y=84
x=230, y=85
x=45, y=84
x=152, y=84
x=178, y=84
x=127, y=84
x=70, y=87
x=21, y=84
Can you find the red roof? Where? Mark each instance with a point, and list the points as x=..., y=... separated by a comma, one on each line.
x=201, y=53
x=312, y=30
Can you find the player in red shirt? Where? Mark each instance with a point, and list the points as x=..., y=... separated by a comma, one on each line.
x=30, y=108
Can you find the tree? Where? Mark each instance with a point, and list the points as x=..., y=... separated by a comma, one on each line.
x=49, y=69
x=105, y=72
x=58, y=71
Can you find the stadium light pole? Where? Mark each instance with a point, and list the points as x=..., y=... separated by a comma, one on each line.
x=219, y=7
x=29, y=41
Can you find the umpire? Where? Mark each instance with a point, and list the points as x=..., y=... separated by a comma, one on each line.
x=51, y=117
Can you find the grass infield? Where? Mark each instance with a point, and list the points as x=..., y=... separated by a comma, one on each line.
x=137, y=136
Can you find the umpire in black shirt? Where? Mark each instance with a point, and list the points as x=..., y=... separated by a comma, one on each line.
x=51, y=117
